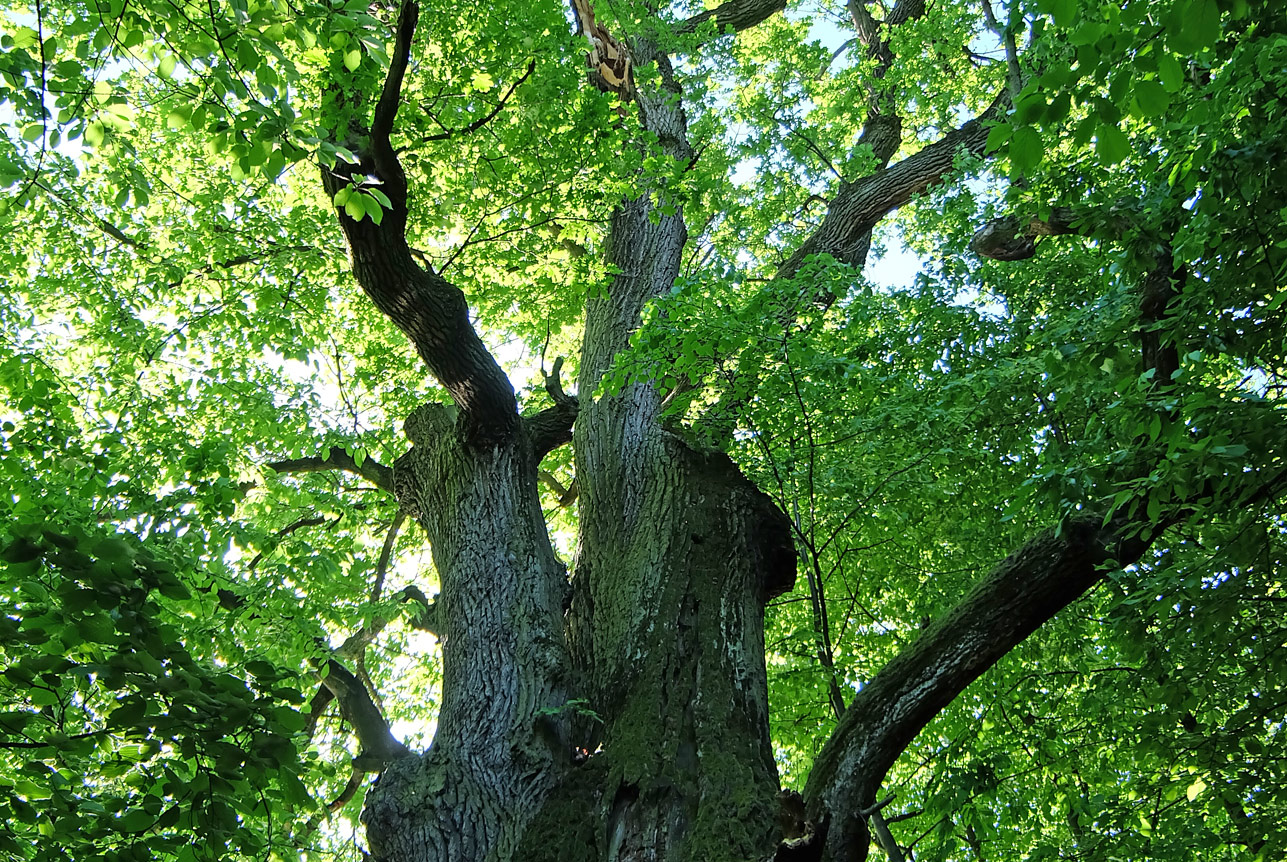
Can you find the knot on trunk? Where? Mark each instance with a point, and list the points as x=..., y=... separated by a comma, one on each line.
x=1003, y=239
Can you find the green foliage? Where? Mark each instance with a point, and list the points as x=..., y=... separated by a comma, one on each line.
x=187, y=759
x=176, y=314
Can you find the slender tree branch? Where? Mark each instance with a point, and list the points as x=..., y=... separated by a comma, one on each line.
x=350, y=790
x=1014, y=75
x=386, y=553
x=337, y=459
x=482, y=121
x=315, y=521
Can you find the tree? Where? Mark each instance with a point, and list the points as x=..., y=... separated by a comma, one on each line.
x=217, y=629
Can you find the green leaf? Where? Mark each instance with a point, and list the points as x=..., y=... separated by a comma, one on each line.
x=1064, y=12
x=1152, y=98
x=997, y=137
x=352, y=59
x=135, y=820
x=1025, y=149
x=1111, y=144
x=166, y=67
x=1169, y=72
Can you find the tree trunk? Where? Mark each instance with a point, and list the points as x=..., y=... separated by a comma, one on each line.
x=624, y=717
x=677, y=554
x=500, y=743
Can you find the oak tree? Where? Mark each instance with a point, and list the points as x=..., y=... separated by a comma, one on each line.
x=497, y=431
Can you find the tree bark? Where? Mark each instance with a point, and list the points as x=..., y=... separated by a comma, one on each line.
x=677, y=555
x=502, y=740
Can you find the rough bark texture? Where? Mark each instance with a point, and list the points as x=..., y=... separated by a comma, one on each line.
x=677, y=554
x=500, y=743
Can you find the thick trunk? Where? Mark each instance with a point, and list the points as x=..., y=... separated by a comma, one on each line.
x=677, y=554
x=501, y=742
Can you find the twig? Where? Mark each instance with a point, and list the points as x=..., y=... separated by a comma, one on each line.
x=338, y=459
x=479, y=123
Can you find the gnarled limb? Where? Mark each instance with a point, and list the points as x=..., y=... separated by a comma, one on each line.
x=1011, y=238
x=379, y=746
x=552, y=427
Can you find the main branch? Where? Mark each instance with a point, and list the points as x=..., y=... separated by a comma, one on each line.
x=430, y=310
x=1028, y=588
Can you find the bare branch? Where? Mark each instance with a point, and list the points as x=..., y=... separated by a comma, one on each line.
x=337, y=459
x=349, y=791
x=491, y=115
x=378, y=744
x=552, y=427
x=386, y=553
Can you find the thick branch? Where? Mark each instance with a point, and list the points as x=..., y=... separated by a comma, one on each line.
x=337, y=459
x=378, y=744
x=883, y=128
x=736, y=15
x=430, y=310
x=1011, y=238
x=860, y=205
x=1026, y=589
